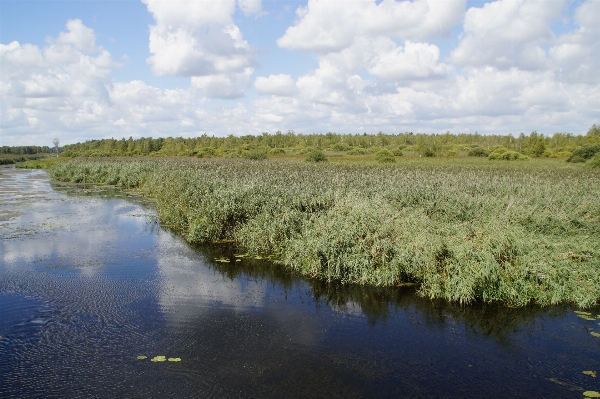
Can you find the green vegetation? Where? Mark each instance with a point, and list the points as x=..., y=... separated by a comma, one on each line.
x=43, y=163
x=464, y=230
x=534, y=145
x=10, y=159
x=316, y=156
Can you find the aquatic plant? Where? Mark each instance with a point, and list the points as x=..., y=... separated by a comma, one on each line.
x=492, y=232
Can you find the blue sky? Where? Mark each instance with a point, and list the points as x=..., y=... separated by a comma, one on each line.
x=81, y=70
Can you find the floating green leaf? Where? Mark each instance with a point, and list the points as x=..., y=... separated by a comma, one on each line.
x=590, y=373
x=591, y=394
x=159, y=359
x=223, y=260
x=595, y=334
x=142, y=357
x=238, y=260
x=587, y=317
x=174, y=359
x=581, y=312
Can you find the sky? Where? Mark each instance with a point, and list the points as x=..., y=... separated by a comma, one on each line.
x=91, y=69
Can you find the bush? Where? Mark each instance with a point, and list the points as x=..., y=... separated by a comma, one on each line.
x=594, y=162
x=397, y=152
x=576, y=159
x=503, y=154
x=341, y=147
x=255, y=155
x=316, y=156
x=385, y=156
x=357, y=151
x=586, y=152
x=277, y=151
x=428, y=152
x=478, y=152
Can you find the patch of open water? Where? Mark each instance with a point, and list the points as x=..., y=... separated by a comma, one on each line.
x=89, y=282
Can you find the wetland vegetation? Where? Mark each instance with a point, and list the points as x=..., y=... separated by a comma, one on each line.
x=464, y=232
x=462, y=217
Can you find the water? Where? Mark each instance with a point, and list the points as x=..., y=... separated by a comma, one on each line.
x=89, y=281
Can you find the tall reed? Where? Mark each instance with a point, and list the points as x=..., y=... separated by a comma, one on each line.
x=514, y=234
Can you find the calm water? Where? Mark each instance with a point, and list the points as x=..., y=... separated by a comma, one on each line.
x=88, y=282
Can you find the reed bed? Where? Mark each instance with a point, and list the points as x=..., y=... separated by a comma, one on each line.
x=508, y=233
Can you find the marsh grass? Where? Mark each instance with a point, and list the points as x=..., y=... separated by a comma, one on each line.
x=516, y=233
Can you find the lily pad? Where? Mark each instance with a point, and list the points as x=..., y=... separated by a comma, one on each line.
x=581, y=312
x=174, y=359
x=142, y=357
x=591, y=394
x=159, y=359
x=590, y=373
x=595, y=334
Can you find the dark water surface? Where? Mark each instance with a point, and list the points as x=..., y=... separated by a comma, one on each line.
x=88, y=282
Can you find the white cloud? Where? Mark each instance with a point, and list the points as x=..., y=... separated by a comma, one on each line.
x=508, y=33
x=251, y=7
x=330, y=26
x=194, y=40
x=280, y=85
x=79, y=35
x=414, y=60
x=509, y=72
x=576, y=55
x=64, y=84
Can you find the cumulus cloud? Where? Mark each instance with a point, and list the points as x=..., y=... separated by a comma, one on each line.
x=251, y=7
x=414, y=60
x=63, y=84
x=330, y=26
x=508, y=33
x=576, y=55
x=280, y=85
x=194, y=40
x=381, y=66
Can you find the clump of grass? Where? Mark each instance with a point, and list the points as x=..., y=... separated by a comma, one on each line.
x=499, y=232
x=316, y=156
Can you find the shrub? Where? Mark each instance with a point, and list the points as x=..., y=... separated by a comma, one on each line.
x=316, y=156
x=576, y=159
x=277, y=151
x=385, y=156
x=503, y=154
x=478, y=152
x=341, y=147
x=586, y=152
x=357, y=151
x=397, y=152
x=594, y=162
x=254, y=155
x=428, y=152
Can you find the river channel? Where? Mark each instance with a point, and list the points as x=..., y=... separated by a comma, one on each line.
x=90, y=284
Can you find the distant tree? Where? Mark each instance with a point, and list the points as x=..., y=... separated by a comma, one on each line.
x=56, y=143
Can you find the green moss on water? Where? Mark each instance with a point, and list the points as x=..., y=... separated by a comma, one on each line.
x=518, y=233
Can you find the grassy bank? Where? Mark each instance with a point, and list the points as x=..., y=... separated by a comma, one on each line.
x=493, y=231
